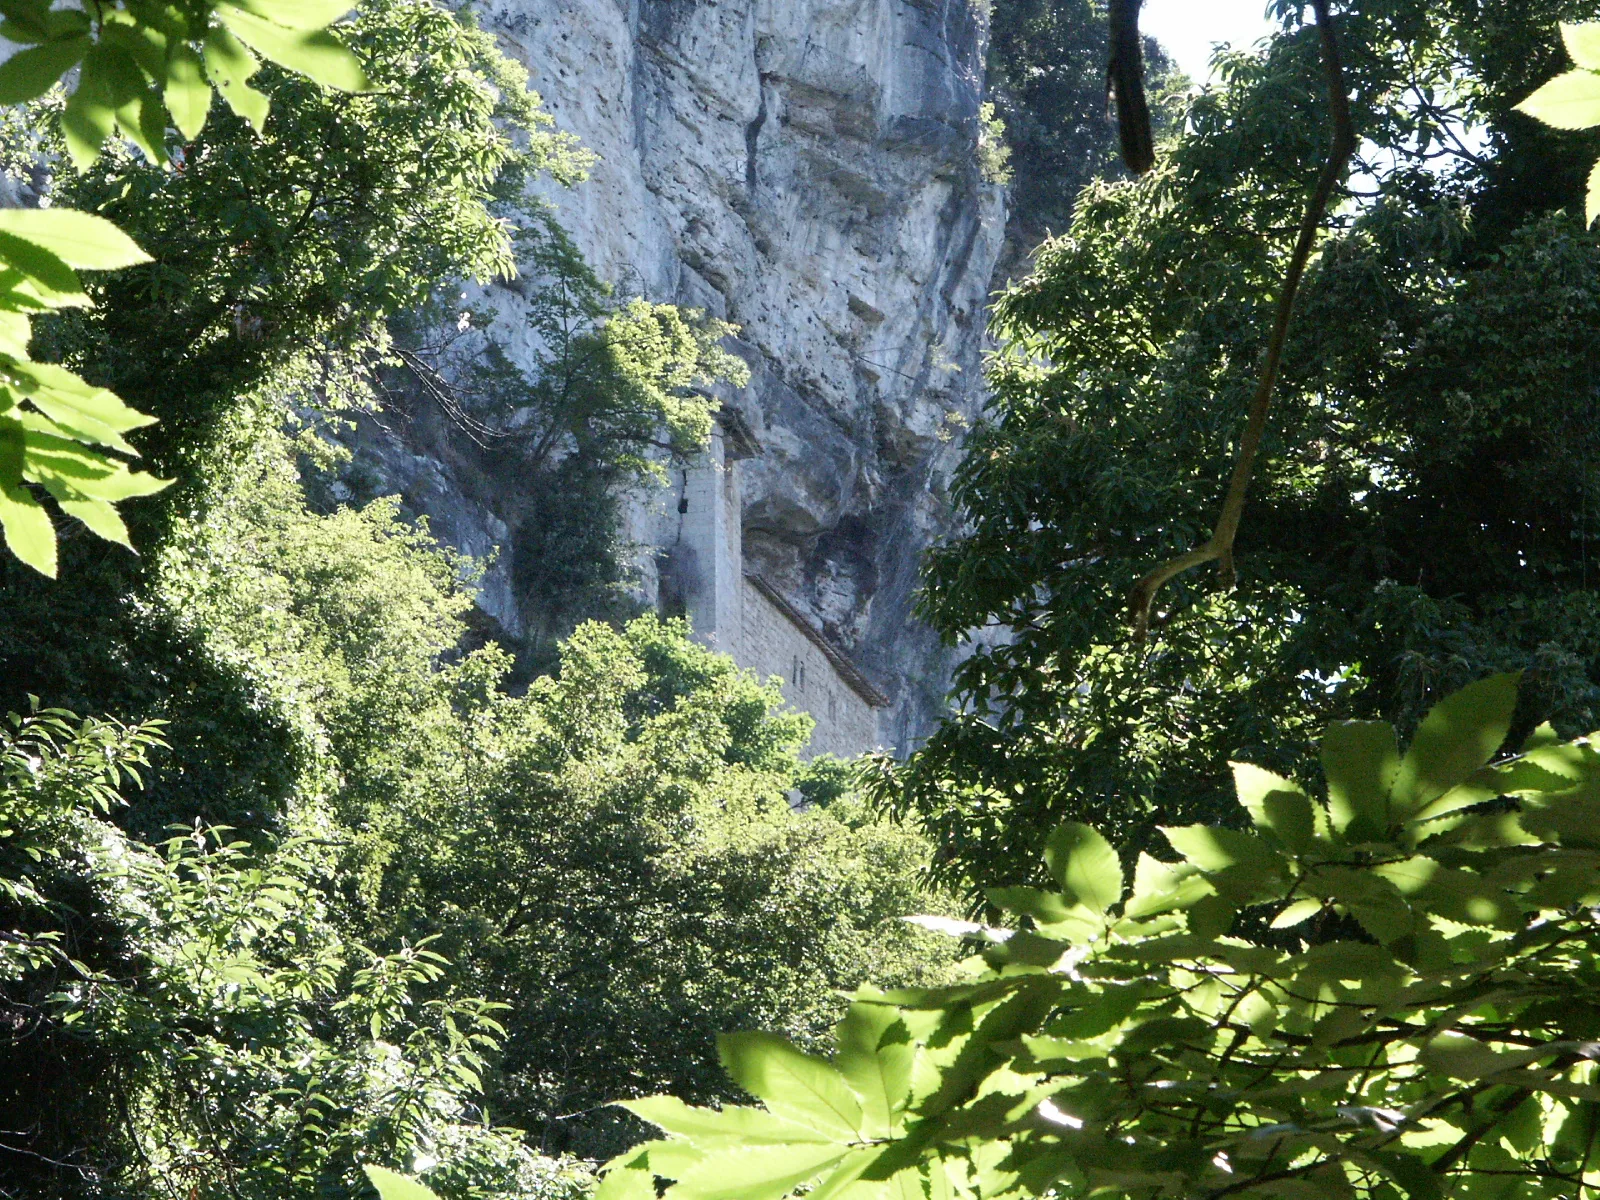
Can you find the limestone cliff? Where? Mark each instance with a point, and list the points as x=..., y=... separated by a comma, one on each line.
x=808, y=170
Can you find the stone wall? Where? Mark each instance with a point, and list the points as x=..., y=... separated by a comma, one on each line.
x=772, y=644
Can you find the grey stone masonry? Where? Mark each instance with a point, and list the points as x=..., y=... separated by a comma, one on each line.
x=702, y=576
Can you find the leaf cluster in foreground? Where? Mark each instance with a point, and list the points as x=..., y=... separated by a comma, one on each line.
x=1385, y=990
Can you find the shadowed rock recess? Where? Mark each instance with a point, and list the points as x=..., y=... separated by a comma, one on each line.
x=808, y=170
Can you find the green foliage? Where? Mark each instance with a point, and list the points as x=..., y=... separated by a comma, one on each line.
x=278, y=258
x=1572, y=100
x=1425, y=508
x=619, y=864
x=134, y=62
x=1385, y=993
x=994, y=156
x=345, y=211
x=1047, y=74
x=610, y=394
x=188, y=1015
x=612, y=855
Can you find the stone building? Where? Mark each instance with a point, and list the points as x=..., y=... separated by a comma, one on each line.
x=702, y=575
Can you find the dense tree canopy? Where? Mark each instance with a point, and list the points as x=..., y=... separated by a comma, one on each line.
x=610, y=862
x=1047, y=73
x=1416, y=1021
x=1426, y=505
x=328, y=881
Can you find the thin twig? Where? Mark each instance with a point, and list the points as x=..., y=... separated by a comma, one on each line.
x=1220, y=547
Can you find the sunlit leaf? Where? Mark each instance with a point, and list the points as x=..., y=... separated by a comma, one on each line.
x=79, y=239
x=756, y=1172
x=1459, y=735
x=29, y=533
x=393, y=1186
x=230, y=67
x=1085, y=866
x=1570, y=101
x=298, y=14
x=875, y=1057
x=33, y=72
x=1583, y=44
x=315, y=53
x=1276, y=804
x=1360, y=760
x=711, y=1126
x=794, y=1085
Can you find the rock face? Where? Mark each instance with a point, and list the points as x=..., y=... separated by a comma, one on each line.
x=806, y=169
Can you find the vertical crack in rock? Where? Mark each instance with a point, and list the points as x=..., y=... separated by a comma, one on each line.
x=752, y=138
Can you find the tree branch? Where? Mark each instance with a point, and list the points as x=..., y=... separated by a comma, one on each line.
x=1220, y=547
x=1125, y=81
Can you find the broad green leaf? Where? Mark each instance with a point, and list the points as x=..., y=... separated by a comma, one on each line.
x=974, y=1058
x=844, y=1181
x=393, y=1186
x=1458, y=736
x=1583, y=44
x=1573, y=762
x=44, y=268
x=86, y=413
x=1360, y=759
x=1544, y=735
x=15, y=333
x=1371, y=899
x=317, y=54
x=1160, y=887
x=89, y=117
x=35, y=378
x=147, y=44
x=20, y=292
x=1104, y=1013
x=1413, y=1175
x=1528, y=776
x=25, y=20
x=1048, y=1050
x=875, y=1057
x=1463, y=1057
x=670, y=1158
x=792, y=1084
x=100, y=517
x=79, y=239
x=47, y=455
x=1044, y=907
x=1085, y=866
x=1456, y=895
x=230, y=66
x=187, y=94
x=1570, y=101
x=28, y=532
x=1461, y=796
x=137, y=107
x=707, y=1127
x=1276, y=804
x=1215, y=849
x=756, y=1172
x=1297, y=912
x=298, y=14
x=626, y=1183
x=33, y=72
x=1051, y=912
